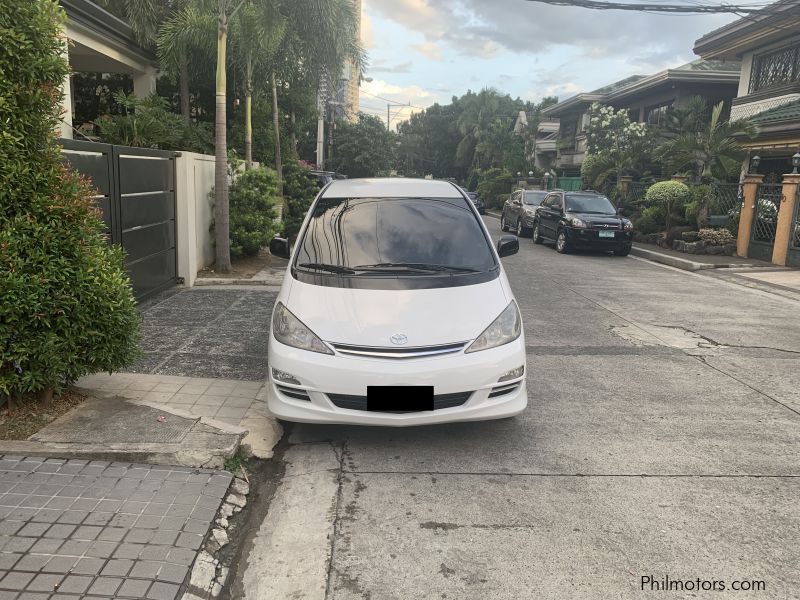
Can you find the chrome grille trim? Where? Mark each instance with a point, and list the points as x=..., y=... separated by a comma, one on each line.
x=502, y=390
x=295, y=393
x=399, y=353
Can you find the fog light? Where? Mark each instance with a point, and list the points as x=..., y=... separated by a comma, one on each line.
x=512, y=374
x=284, y=377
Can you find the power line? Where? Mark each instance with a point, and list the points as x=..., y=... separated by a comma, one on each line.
x=671, y=8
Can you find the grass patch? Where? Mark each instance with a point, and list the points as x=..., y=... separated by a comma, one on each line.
x=236, y=464
x=27, y=416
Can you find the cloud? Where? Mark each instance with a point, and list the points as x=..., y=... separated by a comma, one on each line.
x=367, y=31
x=383, y=66
x=483, y=28
x=429, y=49
x=376, y=94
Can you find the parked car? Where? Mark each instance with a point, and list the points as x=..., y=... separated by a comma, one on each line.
x=476, y=200
x=582, y=220
x=395, y=310
x=519, y=211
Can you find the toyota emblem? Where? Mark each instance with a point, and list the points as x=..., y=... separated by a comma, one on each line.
x=398, y=339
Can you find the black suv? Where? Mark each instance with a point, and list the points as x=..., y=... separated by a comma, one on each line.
x=582, y=220
x=520, y=210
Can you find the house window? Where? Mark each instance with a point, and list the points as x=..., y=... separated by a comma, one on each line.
x=775, y=68
x=654, y=115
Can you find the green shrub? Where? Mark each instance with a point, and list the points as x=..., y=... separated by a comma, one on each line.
x=299, y=191
x=252, y=211
x=493, y=183
x=67, y=308
x=690, y=236
x=650, y=220
x=715, y=237
x=148, y=123
x=670, y=195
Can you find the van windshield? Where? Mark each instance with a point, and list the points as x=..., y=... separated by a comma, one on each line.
x=376, y=237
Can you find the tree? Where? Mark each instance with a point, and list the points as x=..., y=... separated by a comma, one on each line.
x=193, y=24
x=67, y=308
x=616, y=146
x=711, y=151
x=145, y=18
x=364, y=148
x=668, y=194
x=257, y=35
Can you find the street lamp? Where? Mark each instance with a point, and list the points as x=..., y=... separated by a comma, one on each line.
x=795, y=162
x=754, y=162
x=530, y=173
x=519, y=174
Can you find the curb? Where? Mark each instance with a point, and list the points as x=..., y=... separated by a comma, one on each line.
x=209, y=281
x=682, y=263
x=227, y=440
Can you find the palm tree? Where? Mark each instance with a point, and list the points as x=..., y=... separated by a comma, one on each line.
x=711, y=151
x=474, y=123
x=146, y=18
x=321, y=37
x=689, y=119
x=194, y=24
x=256, y=35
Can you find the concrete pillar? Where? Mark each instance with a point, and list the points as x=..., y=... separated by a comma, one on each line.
x=144, y=84
x=750, y=193
x=624, y=186
x=186, y=217
x=785, y=227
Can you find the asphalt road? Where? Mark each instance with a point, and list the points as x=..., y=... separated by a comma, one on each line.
x=662, y=440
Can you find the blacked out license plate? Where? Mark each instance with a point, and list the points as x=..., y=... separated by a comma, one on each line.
x=399, y=398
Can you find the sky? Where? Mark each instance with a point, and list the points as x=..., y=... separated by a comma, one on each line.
x=426, y=51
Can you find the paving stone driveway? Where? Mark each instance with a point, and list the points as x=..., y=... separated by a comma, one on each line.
x=207, y=332
x=93, y=529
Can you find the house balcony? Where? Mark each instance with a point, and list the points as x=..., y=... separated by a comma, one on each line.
x=570, y=158
x=548, y=126
x=543, y=146
x=750, y=105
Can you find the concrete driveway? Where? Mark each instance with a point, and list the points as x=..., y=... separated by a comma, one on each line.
x=661, y=444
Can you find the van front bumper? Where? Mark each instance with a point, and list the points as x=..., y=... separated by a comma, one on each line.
x=324, y=380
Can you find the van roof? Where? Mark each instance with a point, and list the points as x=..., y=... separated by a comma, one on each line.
x=391, y=187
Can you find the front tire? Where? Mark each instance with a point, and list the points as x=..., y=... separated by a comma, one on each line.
x=562, y=245
x=536, y=235
x=503, y=226
x=520, y=229
x=623, y=251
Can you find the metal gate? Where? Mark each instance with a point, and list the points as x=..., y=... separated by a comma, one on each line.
x=765, y=221
x=793, y=257
x=136, y=194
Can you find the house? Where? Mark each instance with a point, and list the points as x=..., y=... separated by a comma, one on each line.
x=646, y=98
x=99, y=42
x=768, y=47
x=540, y=149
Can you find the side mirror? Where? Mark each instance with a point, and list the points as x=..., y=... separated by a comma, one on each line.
x=507, y=245
x=279, y=247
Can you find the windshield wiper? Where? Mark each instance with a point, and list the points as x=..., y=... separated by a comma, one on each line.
x=420, y=267
x=327, y=267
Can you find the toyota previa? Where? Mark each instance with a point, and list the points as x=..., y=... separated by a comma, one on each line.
x=395, y=310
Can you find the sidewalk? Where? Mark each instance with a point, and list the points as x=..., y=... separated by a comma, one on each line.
x=695, y=262
x=271, y=275
x=241, y=404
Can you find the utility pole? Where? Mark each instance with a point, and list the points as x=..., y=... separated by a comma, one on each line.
x=389, y=107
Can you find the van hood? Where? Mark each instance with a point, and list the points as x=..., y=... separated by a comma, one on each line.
x=427, y=317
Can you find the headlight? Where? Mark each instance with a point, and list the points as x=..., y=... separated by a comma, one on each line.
x=627, y=225
x=504, y=329
x=289, y=330
x=576, y=222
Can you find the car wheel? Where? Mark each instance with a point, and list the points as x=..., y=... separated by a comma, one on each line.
x=562, y=246
x=622, y=251
x=537, y=237
x=520, y=230
x=503, y=225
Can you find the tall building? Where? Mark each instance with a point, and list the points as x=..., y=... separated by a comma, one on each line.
x=348, y=93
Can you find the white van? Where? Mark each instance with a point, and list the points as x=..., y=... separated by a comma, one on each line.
x=395, y=310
